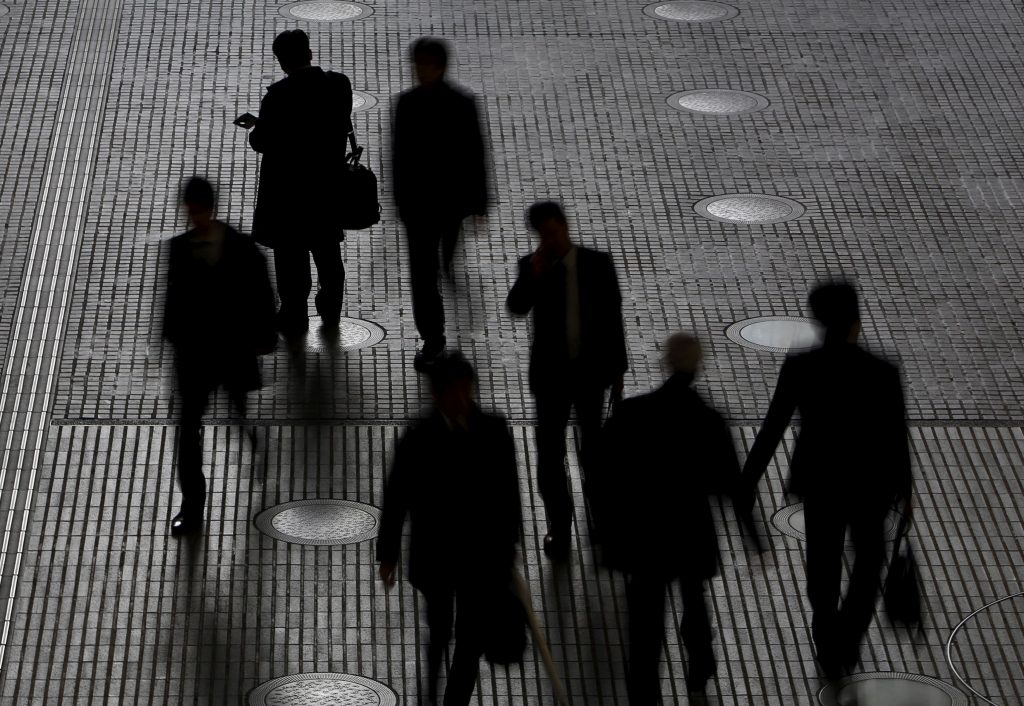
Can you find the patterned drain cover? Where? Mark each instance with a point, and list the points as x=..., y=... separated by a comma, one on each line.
x=353, y=334
x=776, y=334
x=326, y=11
x=318, y=688
x=718, y=101
x=691, y=11
x=890, y=689
x=320, y=522
x=755, y=209
x=1002, y=620
x=362, y=101
x=790, y=521
x=4, y=10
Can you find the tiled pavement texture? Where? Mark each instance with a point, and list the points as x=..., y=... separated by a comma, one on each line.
x=113, y=611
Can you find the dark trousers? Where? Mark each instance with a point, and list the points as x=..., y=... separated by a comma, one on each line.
x=645, y=598
x=554, y=404
x=196, y=383
x=294, y=281
x=838, y=631
x=426, y=237
x=470, y=613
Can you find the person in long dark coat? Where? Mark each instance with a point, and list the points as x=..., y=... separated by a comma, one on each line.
x=656, y=519
x=302, y=132
x=454, y=475
x=440, y=178
x=850, y=464
x=219, y=316
x=578, y=353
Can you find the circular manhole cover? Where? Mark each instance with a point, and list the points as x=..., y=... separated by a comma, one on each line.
x=890, y=689
x=691, y=11
x=322, y=688
x=362, y=101
x=754, y=209
x=790, y=522
x=4, y=10
x=1003, y=618
x=326, y=11
x=718, y=101
x=352, y=335
x=776, y=334
x=320, y=522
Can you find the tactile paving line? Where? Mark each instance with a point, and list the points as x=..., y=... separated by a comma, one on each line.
x=38, y=331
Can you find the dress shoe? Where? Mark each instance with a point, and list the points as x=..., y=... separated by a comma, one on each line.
x=431, y=352
x=556, y=546
x=186, y=523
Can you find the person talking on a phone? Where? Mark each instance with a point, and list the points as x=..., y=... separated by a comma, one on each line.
x=579, y=351
x=301, y=131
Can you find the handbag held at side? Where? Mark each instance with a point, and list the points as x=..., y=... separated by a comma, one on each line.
x=902, y=591
x=359, y=203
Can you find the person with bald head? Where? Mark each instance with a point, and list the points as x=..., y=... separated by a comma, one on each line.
x=659, y=528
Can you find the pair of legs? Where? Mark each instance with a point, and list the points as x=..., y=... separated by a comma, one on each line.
x=295, y=281
x=468, y=606
x=555, y=401
x=645, y=597
x=838, y=630
x=426, y=237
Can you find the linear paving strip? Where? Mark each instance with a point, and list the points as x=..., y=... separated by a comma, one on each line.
x=39, y=317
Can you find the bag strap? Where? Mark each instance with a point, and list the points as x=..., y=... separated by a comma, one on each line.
x=357, y=151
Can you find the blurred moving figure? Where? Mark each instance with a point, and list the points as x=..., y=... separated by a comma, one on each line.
x=302, y=128
x=440, y=178
x=579, y=351
x=663, y=454
x=219, y=316
x=454, y=475
x=850, y=463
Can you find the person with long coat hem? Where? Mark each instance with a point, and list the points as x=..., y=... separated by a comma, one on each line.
x=578, y=353
x=302, y=131
x=850, y=464
x=656, y=519
x=218, y=316
x=454, y=476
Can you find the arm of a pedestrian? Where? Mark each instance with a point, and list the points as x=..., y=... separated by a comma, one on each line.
x=902, y=465
x=523, y=294
x=171, y=323
x=780, y=412
x=476, y=154
x=618, y=342
x=263, y=304
x=513, y=507
x=262, y=134
x=395, y=503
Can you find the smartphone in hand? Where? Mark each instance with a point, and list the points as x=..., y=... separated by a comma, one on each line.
x=246, y=120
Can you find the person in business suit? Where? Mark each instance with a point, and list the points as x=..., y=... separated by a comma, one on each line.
x=656, y=517
x=579, y=351
x=850, y=463
x=454, y=475
x=301, y=131
x=440, y=178
x=218, y=316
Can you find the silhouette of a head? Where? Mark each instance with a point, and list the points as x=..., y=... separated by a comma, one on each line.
x=683, y=353
x=430, y=57
x=291, y=48
x=548, y=219
x=199, y=199
x=834, y=304
x=451, y=382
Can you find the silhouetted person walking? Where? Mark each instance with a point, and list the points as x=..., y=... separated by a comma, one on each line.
x=219, y=316
x=851, y=461
x=579, y=351
x=454, y=475
x=663, y=454
x=301, y=131
x=440, y=178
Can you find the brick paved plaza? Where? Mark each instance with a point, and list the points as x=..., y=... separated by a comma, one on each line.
x=892, y=128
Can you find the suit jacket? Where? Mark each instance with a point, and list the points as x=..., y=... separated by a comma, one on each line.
x=439, y=161
x=852, y=444
x=220, y=316
x=460, y=491
x=302, y=129
x=602, y=355
x=663, y=454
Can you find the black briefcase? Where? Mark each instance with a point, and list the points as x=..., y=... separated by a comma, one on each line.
x=506, y=636
x=902, y=592
x=359, y=203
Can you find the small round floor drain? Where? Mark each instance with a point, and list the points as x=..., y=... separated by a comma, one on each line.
x=718, y=101
x=322, y=688
x=751, y=209
x=4, y=10
x=326, y=11
x=790, y=522
x=362, y=101
x=890, y=689
x=320, y=522
x=352, y=334
x=691, y=11
x=776, y=334
x=1003, y=618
